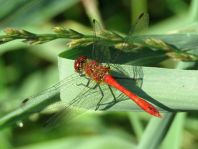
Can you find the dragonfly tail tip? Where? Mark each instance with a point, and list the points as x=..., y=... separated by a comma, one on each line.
x=157, y=114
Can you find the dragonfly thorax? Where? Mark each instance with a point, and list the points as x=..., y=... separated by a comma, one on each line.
x=95, y=71
x=91, y=68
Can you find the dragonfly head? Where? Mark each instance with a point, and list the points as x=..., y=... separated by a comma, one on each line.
x=79, y=64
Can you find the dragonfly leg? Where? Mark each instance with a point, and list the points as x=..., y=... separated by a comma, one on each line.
x=85, y=85
x=88, y=83
x=98, y=104
x=114, y=98
x=109, y=104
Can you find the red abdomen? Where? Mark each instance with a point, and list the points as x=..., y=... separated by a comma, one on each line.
x=146, y=106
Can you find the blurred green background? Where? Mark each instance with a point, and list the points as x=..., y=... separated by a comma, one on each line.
x=25, y=70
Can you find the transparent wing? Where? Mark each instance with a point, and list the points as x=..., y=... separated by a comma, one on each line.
x=100, y=51
x=140, y=25
x=103, y=53
x=134, y=73
x=88, y=99
x=46, y=94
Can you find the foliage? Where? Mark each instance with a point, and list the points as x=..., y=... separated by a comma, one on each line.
x=28, y=69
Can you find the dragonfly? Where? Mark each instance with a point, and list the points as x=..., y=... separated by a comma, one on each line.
x=97, y=75
x=100, y=73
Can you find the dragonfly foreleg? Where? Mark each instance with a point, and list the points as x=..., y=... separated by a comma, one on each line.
x=88, y=84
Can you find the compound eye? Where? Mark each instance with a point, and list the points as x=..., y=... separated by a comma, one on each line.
x=78, y=65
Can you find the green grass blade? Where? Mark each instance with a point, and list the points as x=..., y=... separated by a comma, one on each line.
x=35, y=105
x=84, y=142
x=155, y=132
x=136, y=125
x=38, y=11
x=173, y=88
x=173, y=139
x=169, y=89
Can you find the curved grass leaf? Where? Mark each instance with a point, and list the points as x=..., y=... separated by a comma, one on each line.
x=174, y=137
x=38, y=11
x=169, y=89
x=155, y=132
x=96, y=142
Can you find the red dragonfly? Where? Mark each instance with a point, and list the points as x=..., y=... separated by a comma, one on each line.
x=100, y=73
x=93, y=70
